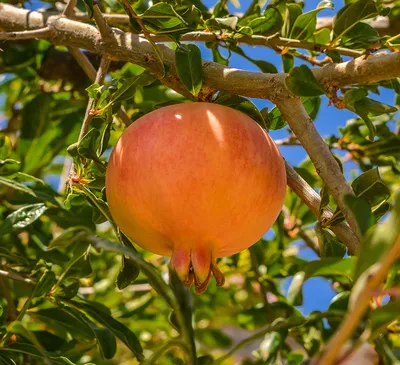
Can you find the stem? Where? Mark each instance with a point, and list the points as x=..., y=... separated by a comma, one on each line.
x=65, y=272
x=13, y=276
x=12, y=312
x=100, y=76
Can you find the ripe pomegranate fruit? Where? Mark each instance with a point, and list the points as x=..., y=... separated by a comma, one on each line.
x=195, y=181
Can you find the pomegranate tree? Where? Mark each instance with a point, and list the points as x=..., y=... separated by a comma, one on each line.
x=196, y=182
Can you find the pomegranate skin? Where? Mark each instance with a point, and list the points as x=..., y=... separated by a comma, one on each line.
x=195, y=181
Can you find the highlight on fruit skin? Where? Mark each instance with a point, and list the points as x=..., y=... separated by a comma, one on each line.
x=195, y=181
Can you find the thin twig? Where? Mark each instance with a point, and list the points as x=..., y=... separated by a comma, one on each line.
x=100, y=76
x=84, y=62
x=310, y=241
x=26, y=34
x=325, y=164
x=90, y=71
x=310, y=197
x=69, y=9
x=14, y=276
x=12, y=311
x=133, y=14
x=375, y=276
x=105, y=31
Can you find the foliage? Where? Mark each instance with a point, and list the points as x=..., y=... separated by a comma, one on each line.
x=75, y=290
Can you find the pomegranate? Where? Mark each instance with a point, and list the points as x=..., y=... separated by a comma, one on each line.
x=196, y=182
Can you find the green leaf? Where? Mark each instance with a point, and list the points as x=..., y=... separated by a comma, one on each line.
x=16, y=186
x=370, y=186
x=9, y=166
x=275, y=119
x=128, y=274
x=89, y=7
x=304, y=26
x=189, y=67
x=331, y=266
x=353, y=95
x=329, y=245
x=23, y=217
x=127, y=88
x=161, y=18
x=213, y=338
x=268, y=24
x=361, y=36
x=360, y=10
x=106, y=341
x=33, y=127
x=117, y=328
x=185, y=301
x=88, y=145
x=302, y=82
x=312, y=106
x=18, y=328
x=242, y=104
x=5, y=360
x=362, y=212
x=381, y=317
x=287, y=62
x=322, y=36
x=293, y=11
x=68, y=237
x=45, y=283
x=379, y=240
x=295, y=358
x=63, y=318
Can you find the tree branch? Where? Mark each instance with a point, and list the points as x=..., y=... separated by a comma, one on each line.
x=327, y=167
x=306, y=193
x=100, y=76
x=69, y=9
x=27, y=34
x=375, y=276
x=134, y=48
x=14, y=276
x=84, y=62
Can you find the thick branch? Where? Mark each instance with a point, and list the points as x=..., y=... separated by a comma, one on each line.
x=135, y=49
x=306, y=193
x=319, y=153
